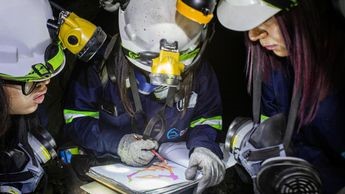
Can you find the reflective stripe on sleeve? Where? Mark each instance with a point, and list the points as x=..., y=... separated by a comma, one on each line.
x=9, y=189
x=72, y=114
x=215, y=122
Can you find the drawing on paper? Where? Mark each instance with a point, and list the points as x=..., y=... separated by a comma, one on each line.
x=156, y=168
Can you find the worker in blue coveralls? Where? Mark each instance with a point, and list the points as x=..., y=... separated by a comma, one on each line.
x=299, y=46
x=154, y=87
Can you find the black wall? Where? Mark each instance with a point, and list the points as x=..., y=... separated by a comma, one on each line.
x=226, y=53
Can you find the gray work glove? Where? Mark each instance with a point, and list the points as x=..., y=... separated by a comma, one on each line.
x=135, y=151
x=212, y=168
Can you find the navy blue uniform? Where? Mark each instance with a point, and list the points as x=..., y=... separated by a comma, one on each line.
x=322, y=142
x=94, y=129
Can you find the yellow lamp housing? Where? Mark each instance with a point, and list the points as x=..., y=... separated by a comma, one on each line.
x=197, y=11
x=80, y=36
x=167, y=69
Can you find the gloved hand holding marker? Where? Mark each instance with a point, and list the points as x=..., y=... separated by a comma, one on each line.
x=136, y=151
x=153, y=151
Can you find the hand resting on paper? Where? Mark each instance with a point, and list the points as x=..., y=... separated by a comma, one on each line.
x=135, y=151
x=212, y=168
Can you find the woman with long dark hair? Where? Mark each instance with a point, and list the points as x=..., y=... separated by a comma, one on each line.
x=28, y=59
x=298, y=45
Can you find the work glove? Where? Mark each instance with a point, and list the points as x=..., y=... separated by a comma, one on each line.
x=212, y=168
x=135, y=151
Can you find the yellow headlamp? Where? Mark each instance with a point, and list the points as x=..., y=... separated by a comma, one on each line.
x=166, y=68
x=80, y=36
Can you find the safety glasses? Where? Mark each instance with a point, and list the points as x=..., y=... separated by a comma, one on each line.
x=27, y=87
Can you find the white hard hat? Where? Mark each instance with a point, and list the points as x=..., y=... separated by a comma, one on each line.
x=144, y=23
x=26, y=52
x=243, y=15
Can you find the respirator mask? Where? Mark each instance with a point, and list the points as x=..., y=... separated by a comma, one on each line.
x=261, y=152
x=20, y=165
x=261, y=147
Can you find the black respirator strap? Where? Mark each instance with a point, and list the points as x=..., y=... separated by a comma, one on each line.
x=134, y=89
x=159, y=118
x=292, y=118
x=136, y=97
x=257, y=84
x=108, y=59
x=24, y=128
x=16, y=177
x=263, y=154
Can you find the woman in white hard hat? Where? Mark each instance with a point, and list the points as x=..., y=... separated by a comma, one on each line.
x=299, y=45
x=28, y=60
x=157, y=87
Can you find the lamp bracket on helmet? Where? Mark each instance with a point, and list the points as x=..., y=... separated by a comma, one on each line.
x=165, y=45
x=113, y=5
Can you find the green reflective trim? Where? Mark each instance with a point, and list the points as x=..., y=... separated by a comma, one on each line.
x=133, y=55
x=215, y=122
x=189, y=54
x=184, y=55
x=72, y=114
x=58, y=59
x=74, y=150
x=130, y=54
x=263, y=118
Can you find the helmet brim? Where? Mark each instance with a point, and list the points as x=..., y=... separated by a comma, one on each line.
x=244, y=17
x=42, y=71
